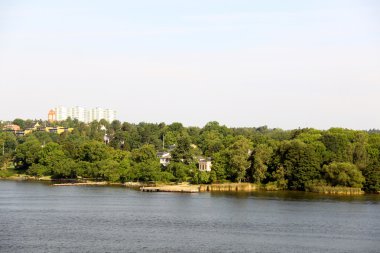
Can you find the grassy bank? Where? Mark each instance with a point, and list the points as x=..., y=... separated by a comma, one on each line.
x=183, y=187
x=13, y=174
x=338, y=190
x=229, y=187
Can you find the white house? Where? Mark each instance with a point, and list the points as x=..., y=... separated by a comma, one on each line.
x=165, y=157
x=204, y=164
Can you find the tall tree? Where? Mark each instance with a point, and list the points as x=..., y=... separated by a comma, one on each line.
x=182, y=152
x=301, y=162
x=238, y=158
x=260, y=159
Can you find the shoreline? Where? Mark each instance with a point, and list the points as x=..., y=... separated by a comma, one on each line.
x=181, y=188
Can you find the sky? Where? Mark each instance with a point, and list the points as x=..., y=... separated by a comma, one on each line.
x=243, y=63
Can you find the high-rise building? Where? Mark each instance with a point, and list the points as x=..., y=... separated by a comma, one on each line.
x=78, y=113
x=97, y=114
x=61, y=113
x=87, y=116
x=109, y=115
x=83, y=114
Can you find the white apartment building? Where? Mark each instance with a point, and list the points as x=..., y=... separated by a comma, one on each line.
x=109, y=115
x=78, y=113
x=61, y=113
x=85, y=115
x=97, y=114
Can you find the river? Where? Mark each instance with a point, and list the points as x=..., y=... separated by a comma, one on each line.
x=37, y=217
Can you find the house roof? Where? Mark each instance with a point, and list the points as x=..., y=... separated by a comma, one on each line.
x=163, y=154
x=202, y=159
x=12, y=127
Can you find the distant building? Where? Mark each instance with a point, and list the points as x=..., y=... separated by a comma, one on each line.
x=52, y=116
x=61, y=113
x=78, y=113
x=11, y=128
x=87, y=116
x=97, y=114
x=81, y=114
x=21, y=132
x=36, y=126
x=204, y=164
x=58, y=130
x=164, y=157
x=109, y=115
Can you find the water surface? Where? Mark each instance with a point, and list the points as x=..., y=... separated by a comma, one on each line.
x=36, y=217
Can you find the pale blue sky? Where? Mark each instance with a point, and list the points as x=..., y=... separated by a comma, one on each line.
x=284, y=64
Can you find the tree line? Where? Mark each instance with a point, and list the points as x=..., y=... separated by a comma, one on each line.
x=283, y=159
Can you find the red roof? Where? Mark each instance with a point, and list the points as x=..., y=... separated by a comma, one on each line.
x=12, y=127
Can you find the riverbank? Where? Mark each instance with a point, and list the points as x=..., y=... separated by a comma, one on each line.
x=185, y=188
x=192, y=188
x=244, y=187
x=335, y=190
x=182, y=187
x=230, y=187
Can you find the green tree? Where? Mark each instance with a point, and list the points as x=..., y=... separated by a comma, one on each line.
x=50, y=154
x=150, y=134
x=343, y=174
x=146, y=162
x=360, y=155
x=109, y=170
x=260, y=159
x=132, y=138
x=64, y=168
x=179, y=170
x=372, y=171
x=115, y=126
x=38, y=170
x=219, y=166
x=279, y=177
x=84, y=169
x=339, y=145
x=201, y=177
x=149, y=170
x=144, y=154
x=182, y=152
x=94, y=151
x=8, y=145
x=215, y=126
x=301, y=163
x=8, y=141
x=128, y=172
x=238, y=158
x=19, y=122
x=27, y=153
x=212, y=142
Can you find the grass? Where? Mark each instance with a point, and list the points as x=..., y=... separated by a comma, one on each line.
x=335, y=190
x=12, y=173
x=6, y=173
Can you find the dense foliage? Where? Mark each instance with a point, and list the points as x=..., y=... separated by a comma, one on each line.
x=291, y=159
